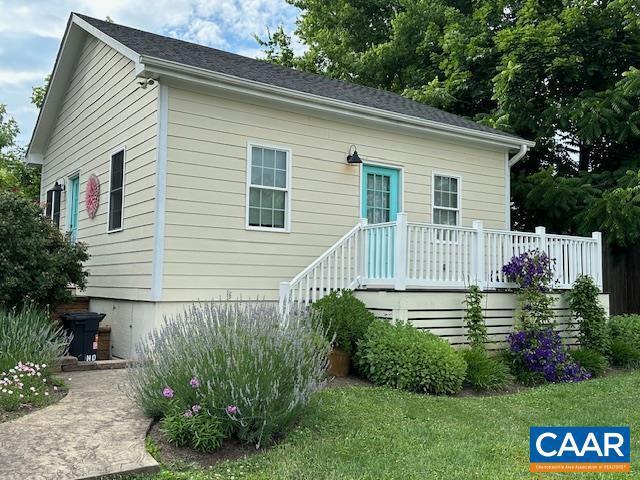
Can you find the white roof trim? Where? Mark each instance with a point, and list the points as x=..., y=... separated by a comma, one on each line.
x=157, y=66
x=153, y=66
x=70, y=47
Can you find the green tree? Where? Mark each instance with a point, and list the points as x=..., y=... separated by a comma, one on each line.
x=37, y=262
x=562, y=73
x=15, y=175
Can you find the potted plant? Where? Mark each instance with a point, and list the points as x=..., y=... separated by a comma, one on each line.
x=346, y=320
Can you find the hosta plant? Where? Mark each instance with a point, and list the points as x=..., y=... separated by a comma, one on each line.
x=239, y=362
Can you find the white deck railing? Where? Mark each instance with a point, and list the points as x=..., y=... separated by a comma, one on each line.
x=403, y=255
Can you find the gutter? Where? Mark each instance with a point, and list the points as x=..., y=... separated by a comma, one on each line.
x=154, y=67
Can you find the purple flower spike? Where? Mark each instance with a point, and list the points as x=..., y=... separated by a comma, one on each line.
x=195, y=383
x=232, y=409
x=167, y=392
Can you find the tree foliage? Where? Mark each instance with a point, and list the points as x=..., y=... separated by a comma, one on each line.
x=37, y=262
x=562, y=73
x=15, y=175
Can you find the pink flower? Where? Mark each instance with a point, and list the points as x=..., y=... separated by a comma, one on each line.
x=188, y=413
x=232, y=409
x=195, y=383
x=167, y=392
x=196, y=408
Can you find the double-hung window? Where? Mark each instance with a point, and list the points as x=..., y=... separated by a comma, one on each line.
x=116, y=191
x=268, y=188
x=52, y=211
x=446, y=200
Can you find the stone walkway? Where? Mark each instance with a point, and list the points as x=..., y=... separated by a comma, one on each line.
x=95, y=430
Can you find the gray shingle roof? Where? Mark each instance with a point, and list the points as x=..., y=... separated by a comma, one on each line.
x=171, y=49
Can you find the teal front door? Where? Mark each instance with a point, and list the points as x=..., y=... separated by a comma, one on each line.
x=74, y=201
x=380, y=202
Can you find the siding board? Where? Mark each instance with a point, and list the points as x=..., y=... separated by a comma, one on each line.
x=103, y=109
x=208, y=251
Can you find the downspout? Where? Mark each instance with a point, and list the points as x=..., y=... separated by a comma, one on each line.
x=510, y=162
x=518, y=156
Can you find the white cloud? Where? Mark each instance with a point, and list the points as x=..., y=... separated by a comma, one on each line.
x=18, y=77
x=33, y=25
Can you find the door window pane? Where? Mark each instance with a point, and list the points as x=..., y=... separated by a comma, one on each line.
x=378, y=198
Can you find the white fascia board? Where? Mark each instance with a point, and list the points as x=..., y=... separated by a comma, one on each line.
x=159, y=67
x=100, y=35
x=70, y=47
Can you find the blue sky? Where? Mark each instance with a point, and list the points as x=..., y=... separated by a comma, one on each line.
x=31, y=30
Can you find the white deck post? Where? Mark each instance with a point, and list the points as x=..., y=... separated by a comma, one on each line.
x=597, y=236
x=400, y=258
x=542, y=234
x=479, y=260
x=284, y=297
x=364, y=253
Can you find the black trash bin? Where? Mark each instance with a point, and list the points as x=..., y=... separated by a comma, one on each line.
x=84, y=327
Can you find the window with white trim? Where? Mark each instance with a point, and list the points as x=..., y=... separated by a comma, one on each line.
x=116, y=192
x=52, y=211
x=268, y=187
x=446, y=200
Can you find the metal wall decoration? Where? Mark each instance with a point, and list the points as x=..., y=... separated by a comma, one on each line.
x=92, y=195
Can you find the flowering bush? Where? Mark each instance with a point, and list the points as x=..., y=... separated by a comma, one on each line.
x=29, y=333
x=540, y=356
x=531, y=271
x=25, y=384
x=233, y=363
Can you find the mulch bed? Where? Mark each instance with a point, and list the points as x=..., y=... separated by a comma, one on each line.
x=184, y=456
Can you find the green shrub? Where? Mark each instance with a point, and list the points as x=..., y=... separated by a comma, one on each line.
x=28, y=335
x=626, y=327
x=485, y=372
x=624, y=332
x=591, y=360
x=400, y=356
x=244, y=367
x=474, y=319
x=345, y=317
x=199, y=430
x=589, y=314
x=37, y=262
x=624, y=354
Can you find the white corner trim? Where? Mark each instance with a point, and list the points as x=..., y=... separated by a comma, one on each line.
x=507, y=193
x=161, y=193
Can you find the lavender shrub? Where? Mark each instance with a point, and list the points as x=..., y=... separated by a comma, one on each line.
x=238, y=362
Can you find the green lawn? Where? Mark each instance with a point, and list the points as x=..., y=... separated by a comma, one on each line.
x=379, y=433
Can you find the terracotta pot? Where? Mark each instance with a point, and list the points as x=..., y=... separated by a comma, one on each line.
x=339, y=363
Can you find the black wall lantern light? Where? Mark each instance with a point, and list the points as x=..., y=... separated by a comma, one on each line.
x=353, y=158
